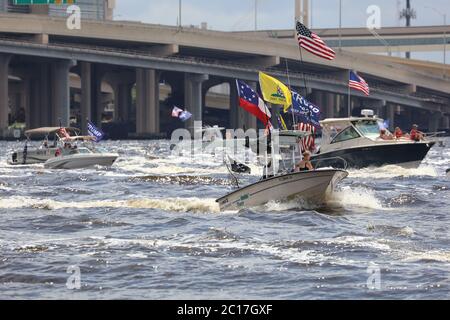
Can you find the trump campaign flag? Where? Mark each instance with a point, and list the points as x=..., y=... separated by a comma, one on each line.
x=181, y=114
x=305, y=111
x=95, y=132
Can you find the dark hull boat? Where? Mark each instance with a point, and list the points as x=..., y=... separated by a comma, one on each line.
x=408, y=155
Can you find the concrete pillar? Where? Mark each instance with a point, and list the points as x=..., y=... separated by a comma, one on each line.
x=45, y=108
x=96, y=104
x=390, y=115
x=234, y=106
x=147, y=101
x=433, y=122
x=330, y=99
x=193, y=92
x=34, y=115
x=86, y=95
x=122, y=101
x=445, y=122
x=4, y=88
x=61, y=91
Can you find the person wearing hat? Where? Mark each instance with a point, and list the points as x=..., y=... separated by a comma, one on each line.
x=305, y=164
x=415, y=134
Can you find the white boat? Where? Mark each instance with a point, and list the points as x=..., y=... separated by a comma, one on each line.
x=280, y=183
x=81, y=157
x=311, y=187
x=32, y=154
x=357, y=141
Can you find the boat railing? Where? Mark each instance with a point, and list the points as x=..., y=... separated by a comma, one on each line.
x=334, y=162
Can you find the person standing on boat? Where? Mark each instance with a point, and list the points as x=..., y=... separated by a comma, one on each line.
x=305, y=164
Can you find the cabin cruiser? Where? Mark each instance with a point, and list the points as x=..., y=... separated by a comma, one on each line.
x=75, y=153
x=357, y=140
x=35, y=154
x=310, y=187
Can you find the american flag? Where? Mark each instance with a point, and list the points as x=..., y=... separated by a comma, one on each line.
x=313, y=43
x=308, y=143
x=358, y=83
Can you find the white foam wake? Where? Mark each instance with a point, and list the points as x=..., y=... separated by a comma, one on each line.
x=350, y=198
x=194, y=205
x=393, y=171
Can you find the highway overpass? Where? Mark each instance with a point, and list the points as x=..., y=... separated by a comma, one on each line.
x=385, y=40
x=136, y=59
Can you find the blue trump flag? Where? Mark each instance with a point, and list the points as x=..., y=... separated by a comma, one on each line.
x=95, y=132
x=304, y=110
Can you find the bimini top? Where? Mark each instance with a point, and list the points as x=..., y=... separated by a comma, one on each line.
x=48, y=130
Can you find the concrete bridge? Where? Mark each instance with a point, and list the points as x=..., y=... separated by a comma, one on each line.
x=118, y=71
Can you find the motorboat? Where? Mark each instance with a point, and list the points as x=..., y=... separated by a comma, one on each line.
x=311, y=187
x=77, y=154
x=357, y=140
x=280, y=183
x=37, y=154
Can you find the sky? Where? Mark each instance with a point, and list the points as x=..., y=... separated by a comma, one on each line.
x=236, y=15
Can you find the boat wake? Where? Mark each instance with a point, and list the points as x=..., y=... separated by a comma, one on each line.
x=393, y=171
x=192, y=205
x=351, y=199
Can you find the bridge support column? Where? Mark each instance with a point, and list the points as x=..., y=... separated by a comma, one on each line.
x=445, y=122
x=86, y=95
x=433, y=122
x=193, y=96
x=122, y=102
x=4, y=88
x=34, y=114
x=390, y=115
x=330, y=103
x=378, y=108
x=147, y=101
x=234, y=106
x=61, y=91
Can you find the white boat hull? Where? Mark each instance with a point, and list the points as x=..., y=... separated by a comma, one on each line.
x=309, y=186
x=80, y=161
x=33, y=156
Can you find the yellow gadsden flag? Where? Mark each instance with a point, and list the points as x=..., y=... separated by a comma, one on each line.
x=274, y=91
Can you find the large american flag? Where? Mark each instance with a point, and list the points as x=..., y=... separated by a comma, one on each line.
x=313, y=43
x=358, y=83
x=308, y=143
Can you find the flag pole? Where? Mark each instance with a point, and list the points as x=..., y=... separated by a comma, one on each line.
x=290, y=88
x=349, y=98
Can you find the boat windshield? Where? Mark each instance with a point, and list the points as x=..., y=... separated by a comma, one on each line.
x=84, y=151
x=368, y=128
